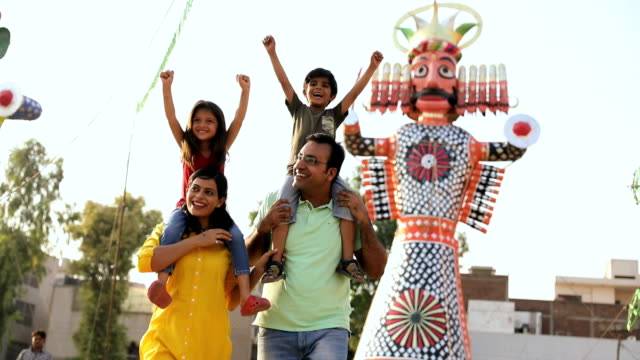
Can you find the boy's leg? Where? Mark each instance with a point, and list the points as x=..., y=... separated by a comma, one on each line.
x=340, y=212
x=250, y=304
x=348, y=234
x=274, y=271
x=348, y=266
x=279, y=237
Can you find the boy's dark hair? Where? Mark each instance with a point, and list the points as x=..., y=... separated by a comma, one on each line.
x=39, y=333
x=336, y=157
x=219, y=218
x=323, y=73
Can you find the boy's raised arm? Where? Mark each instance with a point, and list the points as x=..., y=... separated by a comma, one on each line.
x=236, y=124
x=350, y=98
x=270, y=44
x=169, y=108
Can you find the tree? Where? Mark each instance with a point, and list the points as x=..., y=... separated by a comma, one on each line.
x=31, y=186
x=109, y=235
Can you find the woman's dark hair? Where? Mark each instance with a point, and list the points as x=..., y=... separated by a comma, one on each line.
x=219, y=218
x=218, y=143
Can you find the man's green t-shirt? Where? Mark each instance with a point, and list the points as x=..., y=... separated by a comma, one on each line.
x=313, y=295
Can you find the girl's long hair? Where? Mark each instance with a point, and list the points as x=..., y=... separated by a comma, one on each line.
x=217, y=144
x=219, y=218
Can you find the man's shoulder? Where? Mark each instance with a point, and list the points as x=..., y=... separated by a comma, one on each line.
x=270, y=198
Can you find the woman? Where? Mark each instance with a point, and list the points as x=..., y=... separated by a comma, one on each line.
x=196, y=324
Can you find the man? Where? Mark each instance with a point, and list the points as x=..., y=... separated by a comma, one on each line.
x=36, y=352
x=310, y=310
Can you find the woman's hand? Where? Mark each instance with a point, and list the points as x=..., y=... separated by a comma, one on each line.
x=213, y=237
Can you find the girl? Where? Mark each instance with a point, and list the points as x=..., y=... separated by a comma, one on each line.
x=205, y=143
x=196, y=325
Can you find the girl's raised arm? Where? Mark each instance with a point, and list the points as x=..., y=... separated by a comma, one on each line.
x=236, y=124
x=169, y=109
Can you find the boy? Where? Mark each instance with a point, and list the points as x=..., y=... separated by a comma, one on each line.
x=320, y=88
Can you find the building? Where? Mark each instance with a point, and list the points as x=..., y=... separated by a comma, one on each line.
x=616, y=287
x=568, y=327
x=33, y=309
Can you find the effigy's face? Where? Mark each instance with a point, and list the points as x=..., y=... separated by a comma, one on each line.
x=433, y=80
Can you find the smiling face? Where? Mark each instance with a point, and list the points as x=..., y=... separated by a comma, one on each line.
x=203, y=198
x=204, y=125
x=310, y=171
x=434, y=80
x=318, y=92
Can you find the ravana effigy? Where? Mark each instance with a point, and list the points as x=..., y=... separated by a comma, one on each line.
x=430, y=175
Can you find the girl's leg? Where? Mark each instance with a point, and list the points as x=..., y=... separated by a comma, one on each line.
x=174, y=228
x=250, y=304
x=240, y=262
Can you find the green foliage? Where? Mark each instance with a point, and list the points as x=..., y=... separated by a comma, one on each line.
x=107, y=233
x=31, y=186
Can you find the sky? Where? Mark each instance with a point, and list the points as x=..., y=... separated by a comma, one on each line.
x=564, y=209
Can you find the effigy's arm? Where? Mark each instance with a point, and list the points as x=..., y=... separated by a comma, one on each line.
x=502, y=151
x=359, y=145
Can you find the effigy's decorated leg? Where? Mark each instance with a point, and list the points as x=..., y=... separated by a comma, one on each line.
x=429, y=176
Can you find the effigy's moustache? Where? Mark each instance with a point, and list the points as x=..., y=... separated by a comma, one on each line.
x=451, y=98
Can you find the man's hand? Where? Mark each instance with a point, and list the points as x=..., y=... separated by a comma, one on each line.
x=352, y=201
x=167, y=78
x=244, y=81
x=270, y=44
x=376, y=59
x=279, y=213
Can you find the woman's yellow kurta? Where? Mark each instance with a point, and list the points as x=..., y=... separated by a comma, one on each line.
x=196, y=324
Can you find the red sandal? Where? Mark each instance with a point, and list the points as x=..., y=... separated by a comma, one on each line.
x=254, y=305
x=158, y=294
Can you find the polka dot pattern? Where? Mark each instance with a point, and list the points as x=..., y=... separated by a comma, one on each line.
x=437, y=195
x=426, y=270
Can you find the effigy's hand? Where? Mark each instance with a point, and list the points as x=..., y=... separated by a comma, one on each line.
x=279, y=213
x=354, y=203
x=213, y=237
x=376, y=59
x=269, y=43
x=244, y=81
x=167, y=78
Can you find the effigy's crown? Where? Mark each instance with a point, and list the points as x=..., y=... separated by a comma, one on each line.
x=434, y=35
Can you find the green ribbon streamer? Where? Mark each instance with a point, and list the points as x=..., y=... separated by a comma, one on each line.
x=634, y=311
x=141, y=103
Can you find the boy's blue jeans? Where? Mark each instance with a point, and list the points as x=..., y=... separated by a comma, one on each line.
x=291, y=194
x=176, y=226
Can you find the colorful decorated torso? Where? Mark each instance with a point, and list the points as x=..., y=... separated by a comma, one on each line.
x=428, y=176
